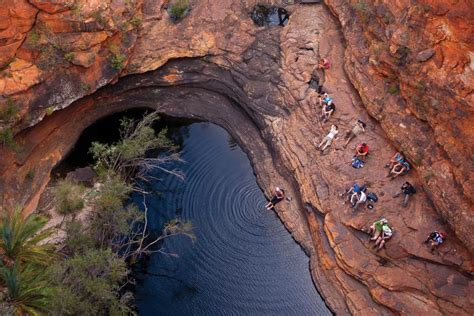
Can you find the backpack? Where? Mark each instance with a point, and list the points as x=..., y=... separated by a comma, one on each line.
x=372, y=196
x=356, y=188
x=357, y=163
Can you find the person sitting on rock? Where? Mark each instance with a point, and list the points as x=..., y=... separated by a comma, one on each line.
x=435, y=239
x=407, y=189
x=358, y=198
x=324, y=64
x=327, y=109
x=397, y=158
x=362, y=150
x=358, y=129
x=386, y=234
x=325, y=99
x=277, y=198
x=399, y=169
x=328, y=139
x=376, y=228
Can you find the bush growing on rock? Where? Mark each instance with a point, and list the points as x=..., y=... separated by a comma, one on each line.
x=178, y=9
x=68, y=197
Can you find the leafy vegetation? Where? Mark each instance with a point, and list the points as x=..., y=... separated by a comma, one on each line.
x=6, y=138
x=34, y=38
x=136, y=21
x=10, y=110
x=178, y=9
x=68, y=197
x=69, y=56
x=90, y=276
x=24, y=256
x=393, y=89
x=118, y=61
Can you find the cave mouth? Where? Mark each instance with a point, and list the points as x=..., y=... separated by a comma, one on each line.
x=244, y=259
x=107, y=130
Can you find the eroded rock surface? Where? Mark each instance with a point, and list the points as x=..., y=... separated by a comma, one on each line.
x=217, y=65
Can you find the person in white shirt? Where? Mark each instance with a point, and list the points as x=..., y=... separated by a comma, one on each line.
x=357, y=199
x=328, y=139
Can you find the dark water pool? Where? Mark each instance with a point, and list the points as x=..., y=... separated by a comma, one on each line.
x=243, y=262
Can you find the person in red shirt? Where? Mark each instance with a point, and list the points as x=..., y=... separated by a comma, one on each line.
x=324, y=64
x=362, y=151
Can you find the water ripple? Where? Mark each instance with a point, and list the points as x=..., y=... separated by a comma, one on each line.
x=244, y=261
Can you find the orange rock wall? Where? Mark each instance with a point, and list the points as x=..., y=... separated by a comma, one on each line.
x=413, y=65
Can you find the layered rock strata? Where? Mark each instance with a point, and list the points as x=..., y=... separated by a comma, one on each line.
x=253, y=82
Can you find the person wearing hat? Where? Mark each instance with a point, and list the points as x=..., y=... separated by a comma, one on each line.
x=277, y=198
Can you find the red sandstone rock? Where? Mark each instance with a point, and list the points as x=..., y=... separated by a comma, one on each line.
x=266, y=71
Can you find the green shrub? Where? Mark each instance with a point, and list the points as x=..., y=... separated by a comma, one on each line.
x=6, y=138
x=69, y=56
x=97, y=15
x=88, y=284
x=178, y=9
x=49, y=110
x=136, y=21
x=78, y=239
x=118, y=61
x=85, y=87
x=30, y=175
x=34, y=38
x=393, y=89
x=9, y=112
x=68, y=197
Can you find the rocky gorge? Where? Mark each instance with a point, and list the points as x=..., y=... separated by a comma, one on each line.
x=404, y=66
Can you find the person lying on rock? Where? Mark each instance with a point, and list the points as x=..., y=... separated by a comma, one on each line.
x=327, y=141
x=357, y=199
x=277, y=198
x=327, y=109
x=386, y=235
x=435, y=239
x=358, y=129
x=324, y=64
x=397, y=158
x=362, y=150
x=407, y=189
x=376, y=228
x=399, y=169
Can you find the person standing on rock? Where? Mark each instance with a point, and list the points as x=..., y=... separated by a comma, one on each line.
x=358, y=129
x=277, y=198
x=327, y=141
x=407, y=189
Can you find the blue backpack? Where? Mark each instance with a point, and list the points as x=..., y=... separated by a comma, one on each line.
x=357, y=163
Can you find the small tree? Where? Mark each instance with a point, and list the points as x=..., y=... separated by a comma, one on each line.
x=88, y=284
